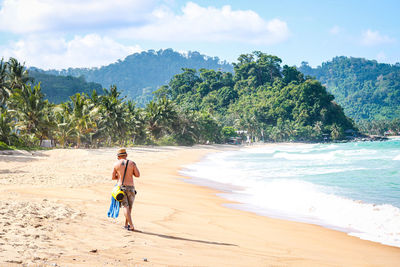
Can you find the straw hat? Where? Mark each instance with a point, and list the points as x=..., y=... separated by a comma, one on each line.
x=121, y=152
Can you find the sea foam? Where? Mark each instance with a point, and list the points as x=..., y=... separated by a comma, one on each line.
x=274, y=183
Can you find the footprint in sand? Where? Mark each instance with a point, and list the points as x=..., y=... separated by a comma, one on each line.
x=26, y=237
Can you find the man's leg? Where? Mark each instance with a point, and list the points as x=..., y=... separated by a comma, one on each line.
x=125, y=206
x=131, y=226
x=128, y=217
x=126, y=220
x=128, y=203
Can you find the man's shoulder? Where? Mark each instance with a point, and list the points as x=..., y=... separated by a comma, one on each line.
x=122, y=162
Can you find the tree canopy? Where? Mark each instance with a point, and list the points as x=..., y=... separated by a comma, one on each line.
x=366, y=89
x=58, y=88
x=260, y=101
x=268, y=101
x=139, y=74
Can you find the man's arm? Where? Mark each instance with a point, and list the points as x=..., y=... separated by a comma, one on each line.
x=114, y=174
x=135, y=170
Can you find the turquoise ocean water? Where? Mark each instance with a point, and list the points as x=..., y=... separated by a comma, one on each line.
x=351, y=187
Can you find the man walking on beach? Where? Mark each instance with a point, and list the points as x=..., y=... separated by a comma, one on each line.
x=128, y=187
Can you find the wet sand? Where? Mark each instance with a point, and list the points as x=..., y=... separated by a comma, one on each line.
x=53, y=210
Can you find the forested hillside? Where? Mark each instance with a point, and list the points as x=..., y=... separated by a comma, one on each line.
x=268, y=101
x=366, y=89
x=139, y=74
x=260, y=100
x=58, y=89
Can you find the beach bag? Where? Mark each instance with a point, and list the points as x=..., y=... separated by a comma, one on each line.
x=116, y=192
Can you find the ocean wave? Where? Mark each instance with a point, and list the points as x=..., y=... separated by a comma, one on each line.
x=327, y=156
x=300, y=156
x=307, y=202
x=283, y=181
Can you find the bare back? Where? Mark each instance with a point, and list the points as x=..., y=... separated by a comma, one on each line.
x=118, y=172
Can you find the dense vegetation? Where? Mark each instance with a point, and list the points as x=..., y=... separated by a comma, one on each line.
x=140, y=74
x=58, y=88
x=366, y=89
x=268, y=101
x=92, y=120
x=380, y=127
x=261, y=99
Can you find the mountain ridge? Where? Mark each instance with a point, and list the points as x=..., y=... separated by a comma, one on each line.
x=366, y=89
x=140, y=74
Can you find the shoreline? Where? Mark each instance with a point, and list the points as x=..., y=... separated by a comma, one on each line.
x=181, y=224
x=231, y=192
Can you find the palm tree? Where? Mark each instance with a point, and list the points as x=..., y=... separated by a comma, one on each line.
x=185, y=127
x=4, y=90
x=115, y=116
x=17, y=74
x=30, y=109
x=83, y=116
x=248, y=122
x=48, y=126
x=65, y=124
x=290, y=128
x=136, y=122
x=318, y=130
x=336, y=132
x=159, y=116
x=6, y=126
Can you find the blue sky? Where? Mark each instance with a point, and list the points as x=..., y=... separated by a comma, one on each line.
x=87, y=33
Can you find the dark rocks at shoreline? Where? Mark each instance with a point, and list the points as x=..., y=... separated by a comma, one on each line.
x=370, y=138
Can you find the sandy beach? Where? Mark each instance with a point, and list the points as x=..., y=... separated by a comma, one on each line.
x=53, y=212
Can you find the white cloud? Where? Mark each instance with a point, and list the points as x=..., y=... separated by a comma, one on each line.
x=56, y=53
x=335, y=30
x=372, y=38
x=27, y=16
x=210, y=24
x=41, y=27
x=138, y=19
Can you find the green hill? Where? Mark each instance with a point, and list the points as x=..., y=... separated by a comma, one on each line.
x=259, y=100
x=266, y=100
x=366, y=89
x=139, y=74
x=58, y=89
